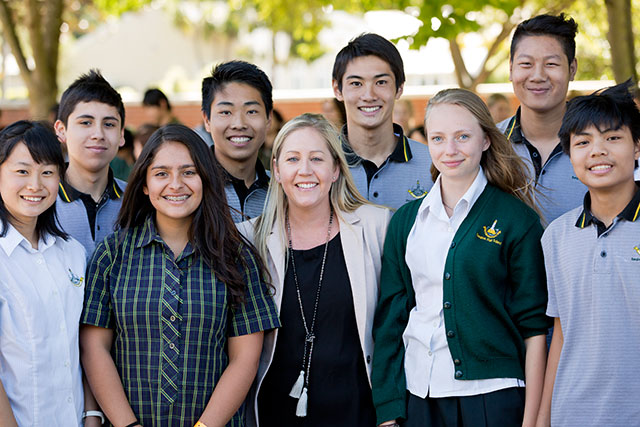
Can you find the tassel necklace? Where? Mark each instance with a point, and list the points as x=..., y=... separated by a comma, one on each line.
x=299, y=390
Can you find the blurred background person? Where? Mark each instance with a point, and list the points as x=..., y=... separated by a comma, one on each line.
x=157, y=108
x=141, y=137
x=334, y=111
x=124, y=160
x=403, y=115
x=277, y=121
x=499, y=107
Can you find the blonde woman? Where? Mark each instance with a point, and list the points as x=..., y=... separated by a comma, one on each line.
x=322, y=243
x=461, y=322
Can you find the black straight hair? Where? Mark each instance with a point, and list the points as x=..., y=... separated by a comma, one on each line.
x=561, y=27
x=44, y=147
x=369, y=44
x=154, y=96
x=87, y=88
x=213, y=232
x=612, y=108
x=236, y=72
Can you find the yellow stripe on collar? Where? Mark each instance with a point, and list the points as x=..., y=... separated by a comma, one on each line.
x=115, y=189
x=64, y=193
x=513, y=125
x=584, y=216
x=404, y=147
x=635, y=216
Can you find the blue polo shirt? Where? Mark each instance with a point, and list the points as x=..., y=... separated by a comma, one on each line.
x=560, y=189
x=246, y=203
x=593, y=277
x=85, y=220
x=403, y=177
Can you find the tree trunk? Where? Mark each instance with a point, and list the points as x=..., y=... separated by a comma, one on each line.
x=43, y=20
x=620, y=36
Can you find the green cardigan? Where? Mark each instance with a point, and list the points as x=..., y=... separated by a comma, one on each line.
x=494, y=296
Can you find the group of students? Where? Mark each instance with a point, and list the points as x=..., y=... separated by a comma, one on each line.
x=366, y=280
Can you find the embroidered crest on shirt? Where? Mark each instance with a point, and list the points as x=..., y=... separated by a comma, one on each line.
x=417, y=192
x=76, y=280
x=637, y=249
x=490, y=234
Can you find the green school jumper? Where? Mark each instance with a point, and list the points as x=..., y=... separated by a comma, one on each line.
x=494, y=296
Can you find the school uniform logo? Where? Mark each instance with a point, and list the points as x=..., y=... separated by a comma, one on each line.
x=637, y=249
x=490, y=234
x=75, y=279
x=417, y=192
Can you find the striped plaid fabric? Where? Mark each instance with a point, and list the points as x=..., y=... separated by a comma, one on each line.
x=171, y=320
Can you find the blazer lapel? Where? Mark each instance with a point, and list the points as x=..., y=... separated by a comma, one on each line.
x=351, y=235
x=278, y=255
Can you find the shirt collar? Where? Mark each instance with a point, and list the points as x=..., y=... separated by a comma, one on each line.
x=13, y=239
x=149, y=234
x=400, y=154
x=69, y=194
x=433, y=200
x=513, y=131
x=631, y=212
x=262, y=178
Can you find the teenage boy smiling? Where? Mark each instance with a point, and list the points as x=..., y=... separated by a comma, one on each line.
x=592, y=258
x=542, y=63
x=388, y=168
x=236, y=108
x=91, y=124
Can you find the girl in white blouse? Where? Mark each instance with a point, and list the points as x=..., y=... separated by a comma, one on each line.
x=41, y=285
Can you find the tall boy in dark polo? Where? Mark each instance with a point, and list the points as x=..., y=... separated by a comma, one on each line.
x=542, y=63
x=592, y=258
x=236, y=108
x=388, y=168
x=91, y=124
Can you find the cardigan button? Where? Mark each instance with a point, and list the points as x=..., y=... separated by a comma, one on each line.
x=453, y=245
x=447, y=276
x=447, y=304
x=451, y=334
x=458, y=374
x=368, y=358
x=457, y=362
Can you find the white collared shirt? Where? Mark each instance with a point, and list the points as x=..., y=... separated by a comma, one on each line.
x=428, y=365
x=41, y=297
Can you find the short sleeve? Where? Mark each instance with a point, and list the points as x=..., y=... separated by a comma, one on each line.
x=258, y=311
x=97, y=309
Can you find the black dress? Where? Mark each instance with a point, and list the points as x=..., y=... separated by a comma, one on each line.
x=338, y=393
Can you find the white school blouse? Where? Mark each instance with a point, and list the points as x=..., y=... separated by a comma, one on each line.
x=428, y=365
x=41, y=296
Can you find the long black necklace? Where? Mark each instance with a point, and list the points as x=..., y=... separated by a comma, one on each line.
x=299, y=390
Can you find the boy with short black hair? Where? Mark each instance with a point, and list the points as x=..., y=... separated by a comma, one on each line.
x=592, y=257
x=388, y=168
x=542, y=63
x=236, y=108
x=91, y=125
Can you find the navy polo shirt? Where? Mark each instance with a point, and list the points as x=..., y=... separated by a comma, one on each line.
x=246, y=203
x=559, y=188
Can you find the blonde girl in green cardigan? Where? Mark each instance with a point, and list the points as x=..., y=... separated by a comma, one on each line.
x=461, y=324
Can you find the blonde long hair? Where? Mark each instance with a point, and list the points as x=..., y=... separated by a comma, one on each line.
x=343, y=194
x=500, y=163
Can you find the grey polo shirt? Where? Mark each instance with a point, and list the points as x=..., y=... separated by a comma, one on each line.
x=405, y=175
x=560, y=190
x=85, y=220
x=246, y=203
x=593, y=277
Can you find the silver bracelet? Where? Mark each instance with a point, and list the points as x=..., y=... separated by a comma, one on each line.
x=86, y=414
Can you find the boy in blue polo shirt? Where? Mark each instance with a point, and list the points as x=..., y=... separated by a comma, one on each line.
x=91, y=124
x=388, y=168
x=592, y=257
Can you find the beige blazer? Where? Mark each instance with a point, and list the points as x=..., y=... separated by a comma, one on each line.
x=362, y=234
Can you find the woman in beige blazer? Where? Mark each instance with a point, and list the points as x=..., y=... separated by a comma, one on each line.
x=322, y=243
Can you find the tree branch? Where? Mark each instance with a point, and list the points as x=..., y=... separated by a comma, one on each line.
x=51, y=34
x=462, y=74
x=9, y=30
x=35, y=34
